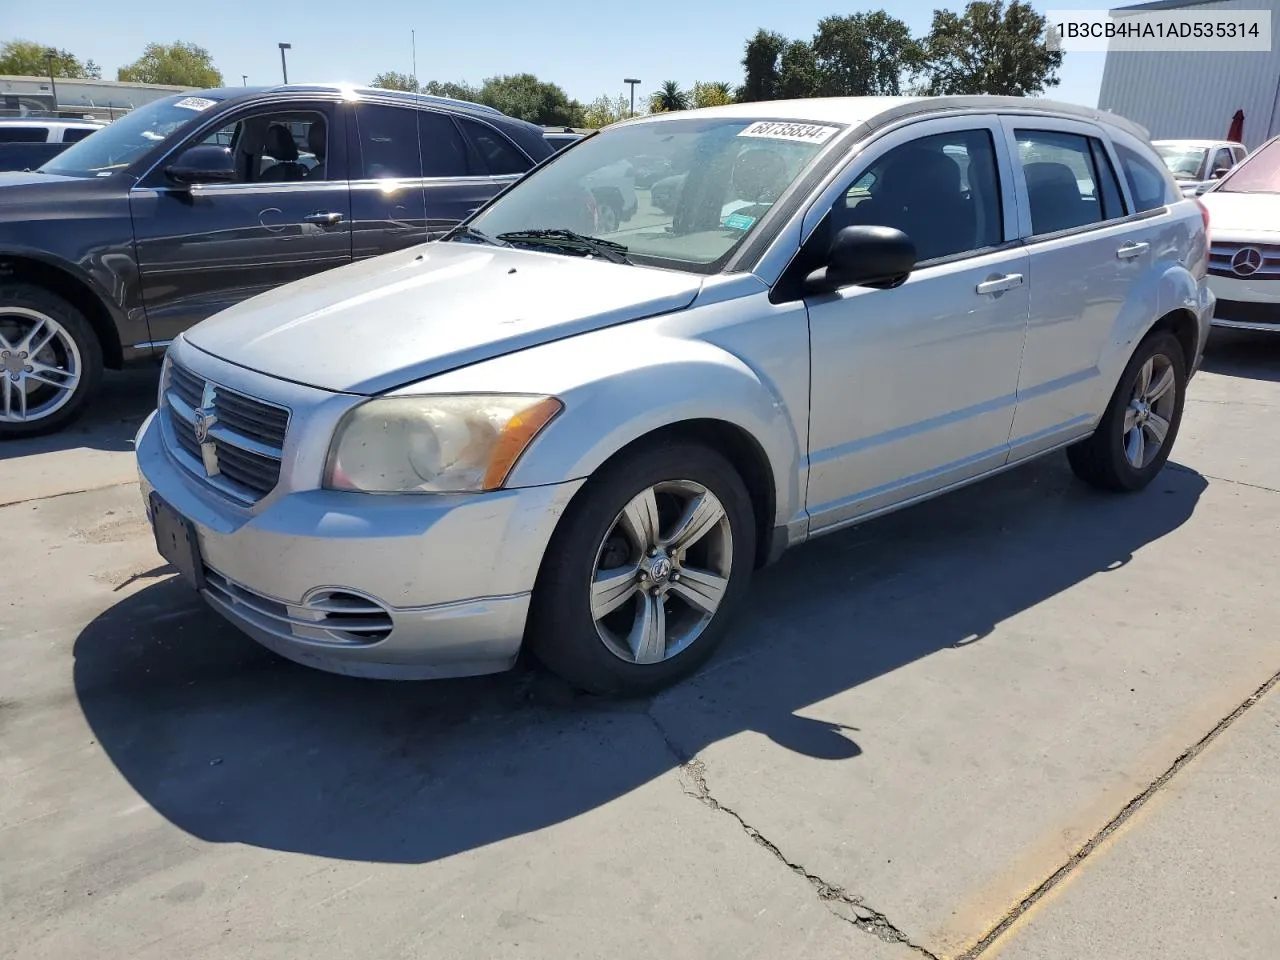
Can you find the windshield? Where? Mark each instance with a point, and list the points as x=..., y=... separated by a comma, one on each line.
x=721, y=176
x=1183, y=162
x=1257, y=173
x=118, y=144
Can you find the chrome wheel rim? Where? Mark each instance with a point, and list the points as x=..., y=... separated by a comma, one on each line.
x=1150, y=412
x=40, y=365
x=661, y=572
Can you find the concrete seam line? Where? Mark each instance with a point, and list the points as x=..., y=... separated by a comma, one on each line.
x=849, y=907
x=1178, y=468
x=65, y=493
x=1115, y=823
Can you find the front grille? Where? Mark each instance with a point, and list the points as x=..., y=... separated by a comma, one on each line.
x=1247, y=312
x=334, y=617
x=242, y=451
x=1222, y=254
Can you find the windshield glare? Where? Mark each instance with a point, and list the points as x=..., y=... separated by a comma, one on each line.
x=120, y=143
x=680, y=193
x=1183, y=162
x=1257, y=173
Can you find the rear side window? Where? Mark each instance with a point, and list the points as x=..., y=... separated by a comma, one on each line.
x=387, y=143
x=498, y=153
x=444, y=153
x=1148, y=186
x=23, y=134
x=1062, y=182
x=72, y=134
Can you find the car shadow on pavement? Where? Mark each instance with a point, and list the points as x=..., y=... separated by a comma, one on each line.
x=110, y=423
x=232, y=744
x=1243, y=353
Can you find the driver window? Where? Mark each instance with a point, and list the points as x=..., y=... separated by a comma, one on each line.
x=276, y=147
x=1220, y=160
x=942, y=191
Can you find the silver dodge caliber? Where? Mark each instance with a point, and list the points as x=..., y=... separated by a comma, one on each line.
x=531, y=431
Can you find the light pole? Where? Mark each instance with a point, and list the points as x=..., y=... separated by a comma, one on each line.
x=413, y=40
x=52, y=55
x=244, y=78
x=632, y=84
x=284, y=67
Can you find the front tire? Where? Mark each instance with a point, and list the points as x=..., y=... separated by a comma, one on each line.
x=50, y=362
x=1135, y=436
x=643, y=575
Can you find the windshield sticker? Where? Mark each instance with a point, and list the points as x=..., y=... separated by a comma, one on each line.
x=195, y=103
x=739, y=221
x=802, y=132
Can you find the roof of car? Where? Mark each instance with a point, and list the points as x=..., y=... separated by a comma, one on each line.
x=51, y=122
x=348, y=90
x=1198, y=143
x=874, y=112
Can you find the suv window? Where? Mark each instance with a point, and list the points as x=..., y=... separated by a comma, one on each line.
x=496, y=150
x=72, y=134
x=387, y=143
x=942, y=191
x=275, y=146
x=444, y=152
x=10, y=134
x=1148, y=186
x=1062, y=181
x=1221, y=159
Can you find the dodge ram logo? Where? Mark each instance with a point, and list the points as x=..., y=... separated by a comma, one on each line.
x=1246, y=262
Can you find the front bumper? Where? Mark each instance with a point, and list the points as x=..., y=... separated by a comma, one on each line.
x=450, y=576
x=1246, y=304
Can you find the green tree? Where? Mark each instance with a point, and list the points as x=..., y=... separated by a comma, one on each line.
x=990, y=48
x=798, y=74
x=605, y=110
x=25, y=58
x=457, y=91
x=181, y=64
x=393, y=80
x=715, y=94
x=760, y=63
x=524, y=96
x=866, y=54
x=669, y=98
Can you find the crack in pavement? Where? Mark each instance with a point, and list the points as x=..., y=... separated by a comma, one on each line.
x=1117, y=821
x=849, y=907
x=64, y=493
x=1209, y=476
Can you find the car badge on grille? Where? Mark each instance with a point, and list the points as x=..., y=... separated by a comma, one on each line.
x=205, y=417
x=1246, y=262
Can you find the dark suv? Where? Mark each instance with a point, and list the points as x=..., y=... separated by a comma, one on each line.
x=192, y=203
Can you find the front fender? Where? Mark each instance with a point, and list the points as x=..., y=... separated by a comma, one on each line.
x=621, y=384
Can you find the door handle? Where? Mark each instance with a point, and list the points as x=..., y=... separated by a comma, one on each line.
x=325, y=217
x=999, y=284
x=1128, y=251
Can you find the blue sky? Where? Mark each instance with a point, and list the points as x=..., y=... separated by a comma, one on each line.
x=586, y=47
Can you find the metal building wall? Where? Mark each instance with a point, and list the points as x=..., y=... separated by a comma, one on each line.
x=1194, y=95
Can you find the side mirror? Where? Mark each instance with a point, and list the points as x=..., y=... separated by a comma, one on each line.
x=206, y=163
x=865, y=256
x=1220, y=172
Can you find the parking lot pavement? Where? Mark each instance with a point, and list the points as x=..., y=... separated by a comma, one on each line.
x=915, y=726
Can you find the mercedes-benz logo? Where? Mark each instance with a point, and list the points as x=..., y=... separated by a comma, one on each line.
x=1246, y=262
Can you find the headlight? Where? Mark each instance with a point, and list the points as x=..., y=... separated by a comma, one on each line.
x=434, y=444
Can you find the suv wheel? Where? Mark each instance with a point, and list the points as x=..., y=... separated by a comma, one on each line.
x=643, y=576
x=1135, y=436
x=50, y=362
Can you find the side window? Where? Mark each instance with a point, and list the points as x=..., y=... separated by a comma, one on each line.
x=496, y=150
x=387, y=143
x=23, y=134
x=276, y=146
x=942, y=191
x=1062, y=187
x=1238, y=153
x=1112, y=197
x=444, y=153
x=72, y=134
x=1148, y=186
x=1221, y=159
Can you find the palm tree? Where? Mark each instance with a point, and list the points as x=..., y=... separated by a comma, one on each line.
x=669, y=98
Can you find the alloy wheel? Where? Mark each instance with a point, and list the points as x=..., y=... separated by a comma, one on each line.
x=40, y=365
x=1150, y=412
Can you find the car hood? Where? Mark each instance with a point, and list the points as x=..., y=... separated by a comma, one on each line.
x=389, y=321
x=1246, y=212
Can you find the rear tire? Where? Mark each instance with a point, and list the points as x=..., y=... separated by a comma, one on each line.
x=624, y=604
x=1135, y=436
x=50, y=362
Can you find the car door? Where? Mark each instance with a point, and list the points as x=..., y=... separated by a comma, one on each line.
x=205, y=247
x=1086, y=255
x=388, y=204
x=453, y=191
x=913, y=388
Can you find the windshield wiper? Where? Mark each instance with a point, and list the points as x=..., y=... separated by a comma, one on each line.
x=471, y=233
x=568, y=240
